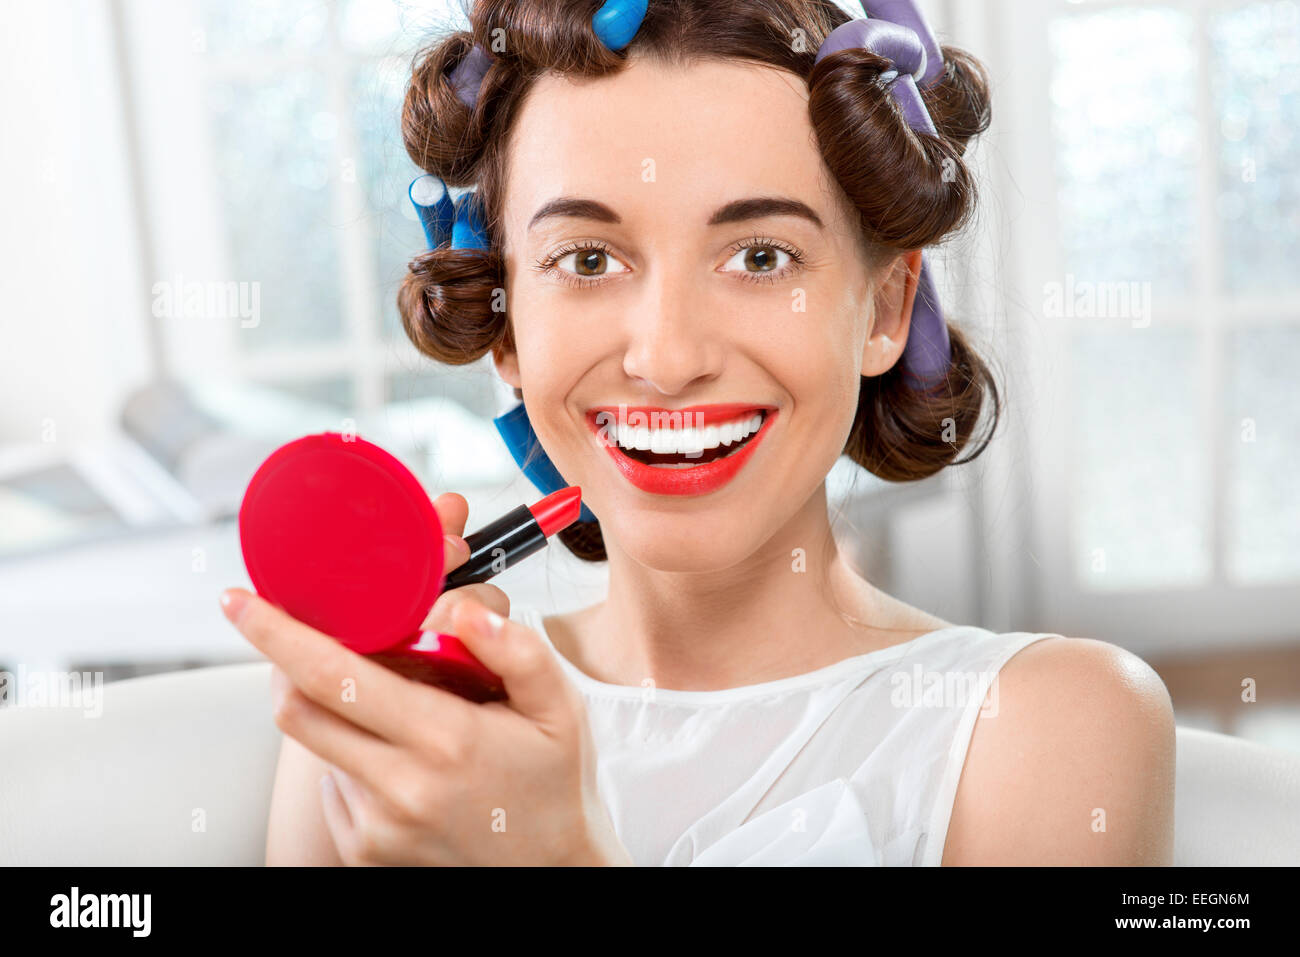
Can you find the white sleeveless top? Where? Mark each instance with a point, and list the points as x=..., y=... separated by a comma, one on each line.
x=856, y=763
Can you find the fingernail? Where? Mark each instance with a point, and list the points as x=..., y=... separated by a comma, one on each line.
x=232, y=603
x=456, y=542
x=494, y=622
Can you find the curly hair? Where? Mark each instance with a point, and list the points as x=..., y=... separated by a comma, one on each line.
x=910, y=189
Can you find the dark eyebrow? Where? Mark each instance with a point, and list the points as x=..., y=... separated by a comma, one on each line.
x=734, y=212
x=576, y=208
x=758, y=207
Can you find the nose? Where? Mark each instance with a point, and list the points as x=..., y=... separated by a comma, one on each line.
x=671, y=343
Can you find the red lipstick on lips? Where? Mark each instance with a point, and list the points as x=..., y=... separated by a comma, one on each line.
x=707, y=476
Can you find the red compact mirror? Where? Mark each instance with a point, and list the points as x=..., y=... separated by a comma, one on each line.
x=339, y=534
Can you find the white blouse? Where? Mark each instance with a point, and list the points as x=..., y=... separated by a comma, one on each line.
x=856, y=763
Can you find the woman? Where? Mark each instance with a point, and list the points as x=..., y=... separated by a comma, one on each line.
x=711, y=220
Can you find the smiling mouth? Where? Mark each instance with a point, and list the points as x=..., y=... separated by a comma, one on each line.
x=684, y=442
x=688, y=448
x=690, y=451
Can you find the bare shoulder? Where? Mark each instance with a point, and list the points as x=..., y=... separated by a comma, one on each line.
x=1074, y=766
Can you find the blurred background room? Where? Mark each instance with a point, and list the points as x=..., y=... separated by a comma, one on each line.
x=207, y=222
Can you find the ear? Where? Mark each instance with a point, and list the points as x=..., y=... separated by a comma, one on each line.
x=506, y=361
x=892, y=313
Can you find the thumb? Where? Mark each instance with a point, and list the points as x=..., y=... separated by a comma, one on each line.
x=534, y=681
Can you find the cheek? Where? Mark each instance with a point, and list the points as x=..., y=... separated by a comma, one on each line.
x=818, y=354
x=819, y=359
x=551, y=364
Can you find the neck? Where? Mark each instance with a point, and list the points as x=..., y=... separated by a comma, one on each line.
x=787, y=609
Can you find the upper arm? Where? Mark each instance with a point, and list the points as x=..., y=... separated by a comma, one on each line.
x=1075, y=767
x=296, y=832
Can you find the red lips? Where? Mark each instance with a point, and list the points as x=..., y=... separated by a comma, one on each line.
x=697, y=479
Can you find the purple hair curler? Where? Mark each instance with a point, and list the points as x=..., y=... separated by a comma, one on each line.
x=468, y=75
x=896, y=30
x=906, y=53
x=906, y=14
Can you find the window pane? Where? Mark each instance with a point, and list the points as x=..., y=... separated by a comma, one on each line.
x=1124, y=124
x=274, y=142
x=1141, y=473
x=1263, y=534
x=387, y=171
x=242, y=26
x=1256, y=73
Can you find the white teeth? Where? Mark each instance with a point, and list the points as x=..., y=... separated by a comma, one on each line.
x=687, y=441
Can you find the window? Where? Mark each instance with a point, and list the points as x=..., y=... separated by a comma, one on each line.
x=302, y=187
x=1164, y=260
x=1172, y=181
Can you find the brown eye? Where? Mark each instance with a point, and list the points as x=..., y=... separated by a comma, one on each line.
x=589, y=262
x=759, y=258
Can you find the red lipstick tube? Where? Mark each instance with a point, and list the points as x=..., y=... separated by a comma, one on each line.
x=514, y=536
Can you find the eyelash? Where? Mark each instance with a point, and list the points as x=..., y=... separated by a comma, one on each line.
x=547, y=263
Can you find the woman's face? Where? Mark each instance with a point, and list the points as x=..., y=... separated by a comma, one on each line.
x=666, y=288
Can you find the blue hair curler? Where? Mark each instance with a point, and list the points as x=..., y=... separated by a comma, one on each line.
x=617, y=22
x=469, y=231
x=526, y=448
x=434, y=206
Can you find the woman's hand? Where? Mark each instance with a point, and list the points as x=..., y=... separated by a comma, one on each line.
x=422, y=776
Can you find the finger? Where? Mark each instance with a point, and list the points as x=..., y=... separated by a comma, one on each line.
x=536, y=685
x=455, y=552
x=440, y=616
x=363, y=692
x=453, y=512
x=333, y=739
x=348, y=789
x=339, y=803
x=338, y=816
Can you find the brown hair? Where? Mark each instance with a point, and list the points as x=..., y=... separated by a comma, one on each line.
x=910, y=189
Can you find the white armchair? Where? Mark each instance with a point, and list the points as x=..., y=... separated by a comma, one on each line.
x=178, y=769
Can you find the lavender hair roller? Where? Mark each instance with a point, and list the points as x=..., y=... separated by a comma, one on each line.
x=928, y=352
x=468, y=75
x=905, y=52
x=914, y=56
x=906, y=14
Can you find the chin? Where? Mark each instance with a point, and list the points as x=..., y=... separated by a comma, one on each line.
x=675, y=554
x=696, y=541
